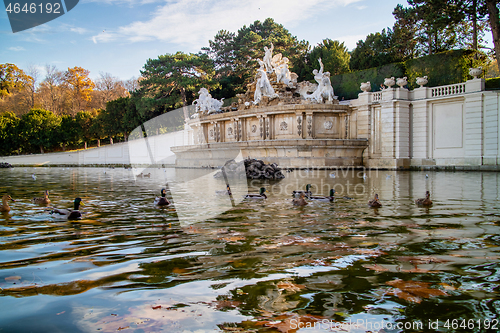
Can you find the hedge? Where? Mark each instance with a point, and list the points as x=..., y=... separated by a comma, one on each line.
x=441, y=69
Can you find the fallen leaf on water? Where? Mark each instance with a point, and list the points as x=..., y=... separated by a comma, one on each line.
x=289, y=326
x=290, y=286
x=447, y=286
x=369, y=252
x=157, y=307
x=12, y=278
x=224, y=304
x=233, y=238
x=178, y=270
x=123, y=328
x=413, y=291
x=377, y=268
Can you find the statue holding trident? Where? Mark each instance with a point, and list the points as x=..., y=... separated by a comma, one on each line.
x=268, y=58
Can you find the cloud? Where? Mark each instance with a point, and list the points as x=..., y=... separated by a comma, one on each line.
x=192, y=23
x=17, y=48
x=77, y=30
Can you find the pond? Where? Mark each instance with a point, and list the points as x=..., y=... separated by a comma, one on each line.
x=257, y=265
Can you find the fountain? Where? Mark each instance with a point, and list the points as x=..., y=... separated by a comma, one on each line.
x=278, y=120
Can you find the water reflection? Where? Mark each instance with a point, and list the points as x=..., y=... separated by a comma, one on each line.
x=260, y=266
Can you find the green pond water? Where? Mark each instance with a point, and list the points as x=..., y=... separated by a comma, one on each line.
x=257, y=266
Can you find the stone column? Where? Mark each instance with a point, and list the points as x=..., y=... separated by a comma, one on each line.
x=267, y=127
x=261, y=127
x=421, y=147
x=473, y=128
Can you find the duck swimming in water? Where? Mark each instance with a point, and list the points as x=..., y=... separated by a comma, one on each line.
x=162, y=200
x=300, y=201
x=5, y=205
x=424, y=201
x=42, y=201
x=375, y=203
x=307, y=192
x=329, y=198
x=69, y=214
x=261, y=194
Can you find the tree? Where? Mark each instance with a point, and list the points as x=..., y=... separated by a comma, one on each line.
x=11, y=78
x=84, y=121
x=494, y=19
x=250, y=42
x=120, y=117
x=107, y=89
x=31, y=85
x=171, y=79
x=375, y=51
x=222, y=51
x=437, y=18
x=404, y=31
x=235, y=55
x=38, y=128
x=333, y=54
x=9, y=136
x=52, y=91
x=78, y=79
x=67, y=132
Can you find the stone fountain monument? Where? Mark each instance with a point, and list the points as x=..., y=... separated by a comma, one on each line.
x=278, y=120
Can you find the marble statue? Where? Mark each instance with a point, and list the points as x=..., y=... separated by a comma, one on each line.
x=283, y=74
x=205, y=104
x=324, y=89
x=263, y=86
x=268, y=58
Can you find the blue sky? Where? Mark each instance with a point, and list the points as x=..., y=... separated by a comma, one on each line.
x=118, y=36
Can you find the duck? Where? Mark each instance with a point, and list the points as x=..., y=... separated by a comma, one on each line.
x=227, y=191
x=375, y=203
x=424, y=201
x=300, y=201
x=162, y=200
x=307, y=192
x=5, y=206
x=69, y=214
x=329, y=198
x=261, y=194
x=42, y=201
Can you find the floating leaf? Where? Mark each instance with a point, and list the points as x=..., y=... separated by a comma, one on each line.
x=13, y=278
x=290, y=286
x=414, y=291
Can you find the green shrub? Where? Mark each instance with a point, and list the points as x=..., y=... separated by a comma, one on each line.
x=492, y=84
x=441, y=69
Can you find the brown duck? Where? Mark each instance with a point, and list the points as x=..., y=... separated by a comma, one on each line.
x=300, y=201
x=5, y=206
x=375, y=203
x=42, y=201
x=424, y=201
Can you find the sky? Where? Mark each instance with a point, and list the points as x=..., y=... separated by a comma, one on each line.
x=119, y=36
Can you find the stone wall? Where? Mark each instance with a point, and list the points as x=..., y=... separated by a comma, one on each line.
x=453, y=126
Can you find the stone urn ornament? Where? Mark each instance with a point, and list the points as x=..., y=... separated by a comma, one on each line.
x=422, y=81
x=366, y=86
x=476, y=72
x=389, y=81
x=402, y=81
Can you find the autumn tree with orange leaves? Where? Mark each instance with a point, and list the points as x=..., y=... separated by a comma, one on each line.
x=77, y=78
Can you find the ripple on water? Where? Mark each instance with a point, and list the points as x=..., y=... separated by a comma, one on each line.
x=257, y=265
